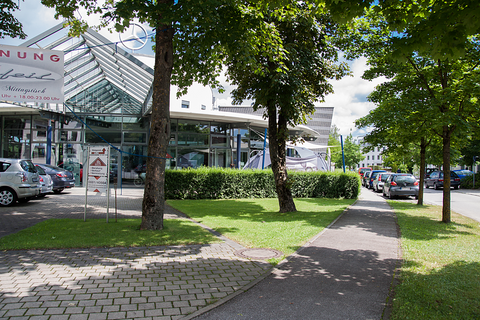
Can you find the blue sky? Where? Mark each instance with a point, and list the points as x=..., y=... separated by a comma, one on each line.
x=349, y=99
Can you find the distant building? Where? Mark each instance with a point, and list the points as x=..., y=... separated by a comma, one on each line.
x=373, y=158
x=320, y=122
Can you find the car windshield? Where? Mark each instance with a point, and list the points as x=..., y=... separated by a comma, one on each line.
x=28, y=166
x=384, y=177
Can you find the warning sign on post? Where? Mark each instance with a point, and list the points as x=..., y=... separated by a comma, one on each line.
x=98, y=169
x=97, y=184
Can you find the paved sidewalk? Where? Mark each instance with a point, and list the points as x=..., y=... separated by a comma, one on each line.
x=344, y=273
x=119, y=283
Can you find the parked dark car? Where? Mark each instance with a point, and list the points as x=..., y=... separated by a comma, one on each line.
x=373, y=176
x=62, y=179
x=365, y=178
x=401, y=185
x=429, y=171
x=435, y=180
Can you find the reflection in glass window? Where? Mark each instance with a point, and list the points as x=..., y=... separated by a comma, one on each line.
x=193, y=126
x=172, y=139
x=71, y=136
x=138, y=137
x=109, y=136
x=134, y=123
x=219, y=141
x=219, y=128
x=190, y=139
x=171, y=162
x=192, y=158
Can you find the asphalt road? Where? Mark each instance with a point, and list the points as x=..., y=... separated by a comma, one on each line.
x=464, y=202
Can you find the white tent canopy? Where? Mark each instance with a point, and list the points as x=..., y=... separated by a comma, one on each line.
x=309, y=161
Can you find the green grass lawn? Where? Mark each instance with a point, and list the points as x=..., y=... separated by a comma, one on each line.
x=256, y=223
x=440, y=277
x=76, y=233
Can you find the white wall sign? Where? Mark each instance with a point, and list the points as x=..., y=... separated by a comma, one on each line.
x=28, y=74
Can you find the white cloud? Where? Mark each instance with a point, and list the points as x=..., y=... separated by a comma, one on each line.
x=350, y=98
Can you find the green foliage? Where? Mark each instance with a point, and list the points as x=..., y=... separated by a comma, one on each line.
x=352, y=152
x=467, y=182
x=10, y=26
x=221, y=183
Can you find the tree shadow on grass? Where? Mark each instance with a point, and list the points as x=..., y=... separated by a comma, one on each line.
x=415, y=227
x=450, y=292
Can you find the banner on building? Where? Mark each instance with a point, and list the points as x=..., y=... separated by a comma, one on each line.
x=31, y=75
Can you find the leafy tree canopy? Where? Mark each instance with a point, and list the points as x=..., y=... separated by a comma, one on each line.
x=10, y=26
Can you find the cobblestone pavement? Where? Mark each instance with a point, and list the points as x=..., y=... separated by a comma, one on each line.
x=114, y=283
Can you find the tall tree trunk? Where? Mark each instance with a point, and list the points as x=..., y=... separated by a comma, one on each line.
x=423, y=151
x=446, y=138
x=277, y=144
x=154, y=194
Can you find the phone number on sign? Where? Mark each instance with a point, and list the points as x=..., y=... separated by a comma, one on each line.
x=39, y=98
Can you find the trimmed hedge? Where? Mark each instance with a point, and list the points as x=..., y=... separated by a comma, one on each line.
x=467, y=182
x=221, y=183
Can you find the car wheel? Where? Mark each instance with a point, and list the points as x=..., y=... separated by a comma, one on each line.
x=416, y=197
x=456, y=187
x=426, y=185
x=435, y=186
x=390, y=196
x=57, y=191
x=7, y=197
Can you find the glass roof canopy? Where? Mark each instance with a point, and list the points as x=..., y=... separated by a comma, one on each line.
x=100, y=77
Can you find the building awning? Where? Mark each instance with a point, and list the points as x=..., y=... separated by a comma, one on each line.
x=232, y=117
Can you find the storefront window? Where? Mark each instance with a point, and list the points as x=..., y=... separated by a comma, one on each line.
x=138, y=137
x=193, y=126
x=102, y=136
x=171, y=162
x=71, y=136
x=135, y=123
x=219, y=128
x=219, y=141
x=191, y=139
x=192, y=158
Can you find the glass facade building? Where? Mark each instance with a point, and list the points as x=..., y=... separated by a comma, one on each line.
x=108, y=94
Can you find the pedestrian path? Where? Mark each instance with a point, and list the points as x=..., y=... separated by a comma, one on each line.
x=344, y=273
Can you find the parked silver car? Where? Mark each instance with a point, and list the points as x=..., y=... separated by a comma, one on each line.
x=19, y=181
x=379, y=181
x=46, y=182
